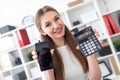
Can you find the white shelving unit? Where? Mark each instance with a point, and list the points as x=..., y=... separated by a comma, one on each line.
x=89, y=12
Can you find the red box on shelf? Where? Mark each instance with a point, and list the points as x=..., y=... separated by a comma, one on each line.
x=22, y=37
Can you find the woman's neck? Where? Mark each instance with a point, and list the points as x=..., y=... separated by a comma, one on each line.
x=59, y=42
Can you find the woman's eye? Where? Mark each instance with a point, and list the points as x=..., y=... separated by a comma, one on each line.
x=47, y=25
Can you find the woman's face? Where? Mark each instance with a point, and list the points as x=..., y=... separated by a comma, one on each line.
x=52, y=25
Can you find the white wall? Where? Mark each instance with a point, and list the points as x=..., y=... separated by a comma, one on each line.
x=12, y=11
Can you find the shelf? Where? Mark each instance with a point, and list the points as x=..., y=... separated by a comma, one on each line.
x=115, y=35
x=38, y=78
x=104, y=57
x=81, y=25
x=31, y=62
x=34, y=70
x=23, y=27
x=118, y=53
x=110, y=12
x=27, y=46
x=10, y=33
x=83, y=4
x=108, y=6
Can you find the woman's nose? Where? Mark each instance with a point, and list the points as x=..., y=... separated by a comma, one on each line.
x=55, y=25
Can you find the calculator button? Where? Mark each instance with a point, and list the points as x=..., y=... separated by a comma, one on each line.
x=89, y=52
x=92, y=51
x=95, y=40
x=93, y=44
x=94, y=47
x=81, y=44
x=98, y=47
x=86, y=45
x=87, y=41
x=82, y=47
x=96, y=43
x=85, y=54
x=92, y=41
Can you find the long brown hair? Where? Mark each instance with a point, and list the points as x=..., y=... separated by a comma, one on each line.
x=57, y=59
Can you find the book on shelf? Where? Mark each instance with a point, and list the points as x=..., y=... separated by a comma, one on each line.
x=113, y=25
x=22, y=37
x=107, y=25
x=110, y=24
x=115, y=16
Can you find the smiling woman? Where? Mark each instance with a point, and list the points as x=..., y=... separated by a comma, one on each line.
x=69, y=63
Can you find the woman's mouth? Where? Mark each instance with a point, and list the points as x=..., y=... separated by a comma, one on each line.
x=58, y=31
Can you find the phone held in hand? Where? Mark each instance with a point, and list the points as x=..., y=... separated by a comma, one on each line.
x=87, y=41
x=44, y=56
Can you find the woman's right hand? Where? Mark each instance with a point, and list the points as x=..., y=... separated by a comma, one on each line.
x=49, y=74
x=35, y=56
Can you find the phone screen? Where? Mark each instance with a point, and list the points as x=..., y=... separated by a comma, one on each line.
x=44, y=55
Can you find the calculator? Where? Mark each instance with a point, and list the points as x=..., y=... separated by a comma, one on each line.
x=87, y=41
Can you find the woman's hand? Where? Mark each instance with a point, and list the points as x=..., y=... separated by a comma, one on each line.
x=94, y=69
x=49, y=74
x=35, y=56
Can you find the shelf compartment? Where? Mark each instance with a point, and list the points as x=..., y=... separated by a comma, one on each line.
x=26, y=53
x=14, y=74
x=116, y=42
x=10, y=60
x=33, y=70
x=106, y=68
x=7, y=43
x=108, y=6
x=82, y=14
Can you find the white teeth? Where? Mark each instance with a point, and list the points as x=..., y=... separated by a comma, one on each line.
x=57, y=30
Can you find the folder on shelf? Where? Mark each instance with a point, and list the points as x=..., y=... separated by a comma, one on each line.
x=108, y=25
x=113, y=25
x=22, y=37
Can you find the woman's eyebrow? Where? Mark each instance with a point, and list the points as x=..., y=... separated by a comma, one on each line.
x=56, y=16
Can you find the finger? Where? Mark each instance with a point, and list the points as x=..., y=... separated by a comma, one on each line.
x=52, y=51
x=34, y=52
x=78, y=48
x=35, y=57
x=96, y=33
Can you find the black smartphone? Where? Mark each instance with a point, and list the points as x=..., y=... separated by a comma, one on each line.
x=44, y=56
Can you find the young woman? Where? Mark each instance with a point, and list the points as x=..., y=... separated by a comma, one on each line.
x=69, y=63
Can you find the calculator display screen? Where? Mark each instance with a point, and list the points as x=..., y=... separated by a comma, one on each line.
x=84, y=35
